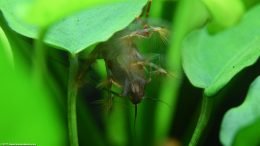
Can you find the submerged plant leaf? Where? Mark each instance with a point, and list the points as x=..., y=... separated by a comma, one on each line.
x=242, y=116
x=211, y=61
x=77, y=32
x=45, y=12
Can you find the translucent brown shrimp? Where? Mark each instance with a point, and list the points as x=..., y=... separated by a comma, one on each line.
x=125, y=64
x=126, y=67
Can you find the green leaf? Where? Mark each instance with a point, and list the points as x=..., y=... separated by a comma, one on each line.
x=45, y=12
x=210, y=61
x=85, y=28
x=224, y=13
x=242, y=116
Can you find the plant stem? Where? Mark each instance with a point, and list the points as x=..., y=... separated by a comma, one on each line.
x=39, y=59
x=202, y=121
x=72, y=100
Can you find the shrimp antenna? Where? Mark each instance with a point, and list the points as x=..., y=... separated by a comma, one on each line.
x=135, y=117
x=158, y=100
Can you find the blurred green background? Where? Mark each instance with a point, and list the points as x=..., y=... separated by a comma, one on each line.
x=34, y=75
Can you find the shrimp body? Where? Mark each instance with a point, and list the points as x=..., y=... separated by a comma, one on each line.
x=122, y=59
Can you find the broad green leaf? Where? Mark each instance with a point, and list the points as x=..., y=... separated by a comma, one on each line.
x=242, y=116
x=224, y=13
x=210, y=61
x=45, y=12
x=85, y=28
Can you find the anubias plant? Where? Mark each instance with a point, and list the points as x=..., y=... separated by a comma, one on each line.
x=211, y=40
